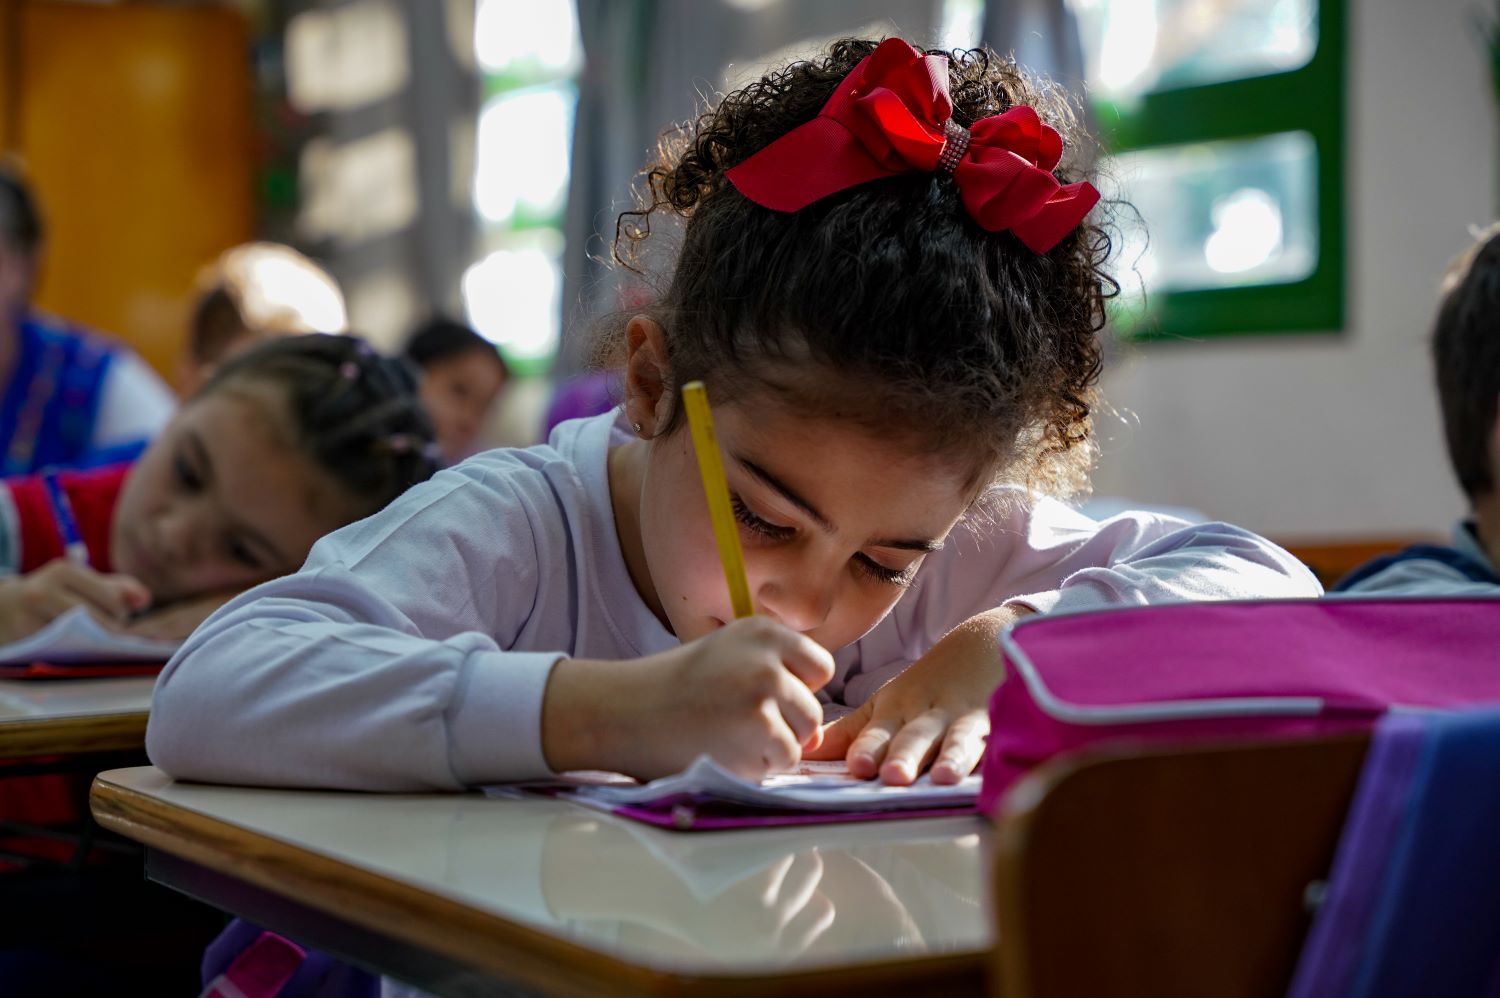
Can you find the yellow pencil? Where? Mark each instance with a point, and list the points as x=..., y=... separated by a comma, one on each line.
x=716, y=488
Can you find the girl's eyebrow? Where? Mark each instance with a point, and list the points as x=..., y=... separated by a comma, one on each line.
x=826, y=525
x=788, y=494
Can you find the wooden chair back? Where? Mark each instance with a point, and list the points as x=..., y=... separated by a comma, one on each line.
x=1167, y=873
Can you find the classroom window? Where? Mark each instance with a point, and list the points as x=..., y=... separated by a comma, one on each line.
x=529, y=55
x=1224, y=121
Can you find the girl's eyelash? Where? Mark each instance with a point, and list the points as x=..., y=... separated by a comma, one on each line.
x=901, y=578
x=742, y=513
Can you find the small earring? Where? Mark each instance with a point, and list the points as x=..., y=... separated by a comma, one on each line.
x=636, y=427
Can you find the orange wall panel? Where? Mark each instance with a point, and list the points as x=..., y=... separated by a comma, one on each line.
x=135, y=126
x=8, y=65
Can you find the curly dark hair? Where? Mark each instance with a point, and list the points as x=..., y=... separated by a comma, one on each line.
x=960, y=338
x=1466, y=360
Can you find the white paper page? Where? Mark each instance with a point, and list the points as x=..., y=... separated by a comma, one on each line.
x=814, y=787
x=76, y=636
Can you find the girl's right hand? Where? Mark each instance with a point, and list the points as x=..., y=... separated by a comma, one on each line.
x=742, y=694
x=30, y=602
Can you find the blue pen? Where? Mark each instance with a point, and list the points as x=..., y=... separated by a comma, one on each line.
x=73, y=547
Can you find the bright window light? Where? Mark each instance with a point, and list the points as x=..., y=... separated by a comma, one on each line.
x=1221, y=214
x=358, y=190
x=345, y=57
x=525, y=139
x=540, y=34
x=1133, y=47
x=961, y=23
x=513, y=297
x=1247, y=231
x=1129, y=43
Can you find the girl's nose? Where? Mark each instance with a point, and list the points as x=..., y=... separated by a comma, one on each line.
x=799, y=599
x=178, y=535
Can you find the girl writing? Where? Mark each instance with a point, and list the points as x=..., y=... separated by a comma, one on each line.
x=887, y=280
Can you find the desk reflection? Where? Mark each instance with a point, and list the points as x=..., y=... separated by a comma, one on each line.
x=729, y=897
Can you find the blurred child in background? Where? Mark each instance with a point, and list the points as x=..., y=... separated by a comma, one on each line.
x=73, y=398
x=252, y=293
x=285, y=443
x=1466, y=356
x=462, y=375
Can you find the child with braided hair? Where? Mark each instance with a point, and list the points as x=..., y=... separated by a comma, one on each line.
x=886, y=277
x=284, y=444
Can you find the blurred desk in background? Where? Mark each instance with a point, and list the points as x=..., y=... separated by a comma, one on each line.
x=52, y=717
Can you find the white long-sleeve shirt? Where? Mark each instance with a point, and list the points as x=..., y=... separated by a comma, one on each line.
x=412, y=650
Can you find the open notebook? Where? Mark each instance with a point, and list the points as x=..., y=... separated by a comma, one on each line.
x=705, y=797
x=75, y=644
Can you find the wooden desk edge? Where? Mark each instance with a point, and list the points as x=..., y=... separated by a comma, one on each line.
x=77, y=735
x=472, y=937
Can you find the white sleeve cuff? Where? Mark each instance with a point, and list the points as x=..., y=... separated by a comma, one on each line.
x=495, y=728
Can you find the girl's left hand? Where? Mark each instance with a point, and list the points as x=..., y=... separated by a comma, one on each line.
x=935, y=712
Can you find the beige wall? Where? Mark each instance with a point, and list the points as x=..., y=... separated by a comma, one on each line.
x=1335, y=435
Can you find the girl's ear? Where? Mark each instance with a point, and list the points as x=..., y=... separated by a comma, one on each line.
x=648, y=378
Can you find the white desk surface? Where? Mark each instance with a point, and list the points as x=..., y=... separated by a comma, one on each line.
x=63, y=716
x=737, y=904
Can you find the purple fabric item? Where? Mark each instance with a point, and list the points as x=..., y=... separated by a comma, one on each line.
x=585, y=395
x=261, y=970
x=1232, y=670
x=318, y=976
x=1331, y=955
x=1435, y=929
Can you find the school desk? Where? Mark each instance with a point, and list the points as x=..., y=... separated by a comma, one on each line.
x=464, y=895
x=55, y=717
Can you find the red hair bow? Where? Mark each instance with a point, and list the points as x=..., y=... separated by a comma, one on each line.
x=893, y=115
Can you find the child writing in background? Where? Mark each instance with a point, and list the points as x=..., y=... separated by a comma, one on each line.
x=286, y=443
x=893, y=296
x=461, y=375
x=1466, y=355
x=252, y=293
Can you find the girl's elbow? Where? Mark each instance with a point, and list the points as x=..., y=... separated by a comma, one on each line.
x=168, y=750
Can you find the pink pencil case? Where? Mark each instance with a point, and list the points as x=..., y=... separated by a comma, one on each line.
x=1229, y=671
